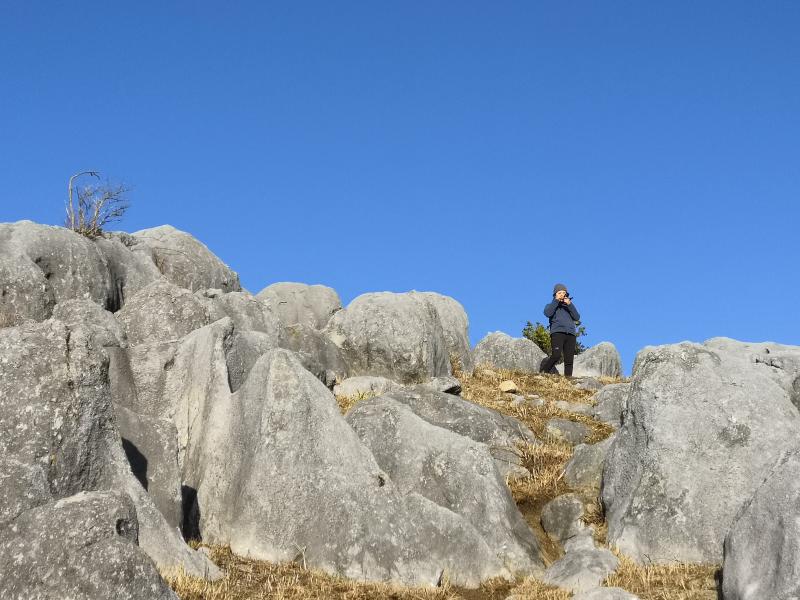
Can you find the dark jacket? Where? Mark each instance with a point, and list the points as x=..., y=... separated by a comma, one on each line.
x=562, y=317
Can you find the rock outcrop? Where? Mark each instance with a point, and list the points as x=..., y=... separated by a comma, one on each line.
x=451, y=470
x=58, y=439
x=703, y=422
x=301, y=304
x=397, y=336
x=762, y=549
x=185, y=261
x=501, y=351
x=601, y=360
x=455, y=324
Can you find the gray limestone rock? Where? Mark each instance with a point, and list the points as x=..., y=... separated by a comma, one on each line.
x=501, y=351
x=163, y=312
x=185, y=261
x=81, y=547
x=568, y=431
x=582, y=569
x=702, y=422
x=299, y=303
x=397, y=336
x=601, y=360
x=55, y=411
x=574, y=407
x=610, y=403
x=456, y=327
x=501, y=433
x=364, y=386
x=561, y=517
x=451, y=470
x=585, y=468
x=762, y=549
x=75, y=313
x=317, y=352
x=247, y=312
x=279, y=475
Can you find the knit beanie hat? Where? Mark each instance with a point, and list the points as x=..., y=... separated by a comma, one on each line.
x=558, y=287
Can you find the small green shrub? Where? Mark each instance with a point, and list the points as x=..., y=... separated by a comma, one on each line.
x=539, y=335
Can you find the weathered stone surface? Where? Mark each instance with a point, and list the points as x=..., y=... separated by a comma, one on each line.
x=561, y=517
x=587, y=383
x=455, y=324
x=611, y=402
x=601, y=360
x=24, y=293
x=585, y=468
x=567, y=431
x=501, y=351
x=501, y=433
x=74, y=313
x=451, y=470
x=55, y=410
x=762, y=549
x=299, y=303
x=573, y=407
x=246, y=311
x=317, y=353
x=447, y=384
x=151, y=446
x=69, y=264
x=701, y=422
x=582, y=569
x=81, y=547
x=164, y=312
x=364, y=385
x=130, y=266
x=281, y=433
x=397, y=336
x=243, y=350
x=605, y=593
x=187, y=262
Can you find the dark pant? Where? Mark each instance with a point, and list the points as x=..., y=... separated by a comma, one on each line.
x=562, y=344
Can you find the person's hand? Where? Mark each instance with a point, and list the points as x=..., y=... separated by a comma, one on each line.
x=560, y=295
x=567, y=301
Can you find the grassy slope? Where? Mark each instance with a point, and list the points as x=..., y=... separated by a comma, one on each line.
x=251, y=580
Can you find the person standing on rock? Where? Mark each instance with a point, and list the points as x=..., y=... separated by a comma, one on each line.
x=563, y=316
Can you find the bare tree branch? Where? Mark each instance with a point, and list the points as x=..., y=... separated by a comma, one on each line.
x=98, y=205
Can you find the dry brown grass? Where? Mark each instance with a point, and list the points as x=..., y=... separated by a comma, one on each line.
x=665, y=582
x=483, y=388
x=253, y=580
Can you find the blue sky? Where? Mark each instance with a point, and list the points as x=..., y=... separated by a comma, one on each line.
x=643, y=153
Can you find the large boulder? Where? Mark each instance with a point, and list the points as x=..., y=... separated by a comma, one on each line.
x=279, y=475
x=81, y=547
x=398, y=336
x=55, y=410
x=317, y=352
x=456, y=327
x=501, y=433
x=69, y=267
x=450, y=470
x=585, y=468
x=610, y=403
x=301, y=304
x=702, y=422
x=601, y=360
x=762, y=549
x=185, y=261
x=163, y=311
x=247, y=312
x=130, y=266
x=501, y=351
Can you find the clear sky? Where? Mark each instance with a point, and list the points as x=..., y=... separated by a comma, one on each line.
x=644, y=153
